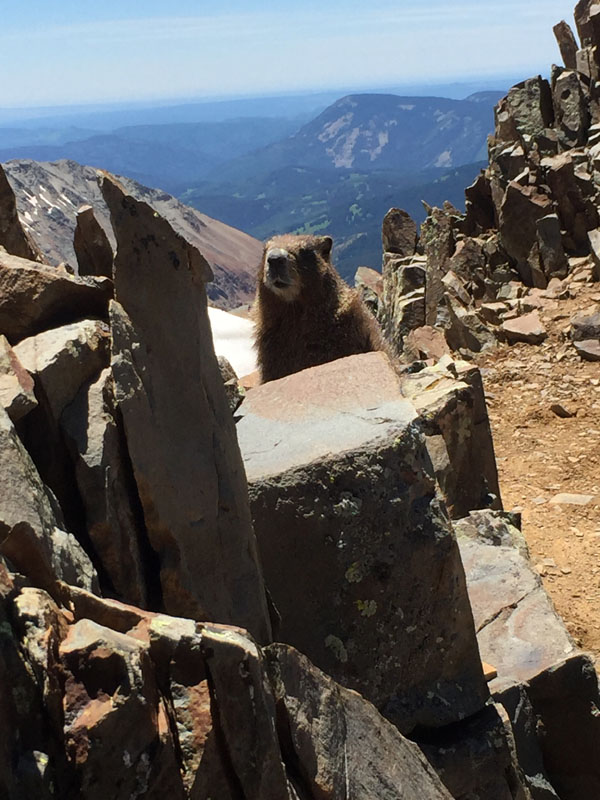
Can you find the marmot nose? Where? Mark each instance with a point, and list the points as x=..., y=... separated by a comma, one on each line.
x=277, y=261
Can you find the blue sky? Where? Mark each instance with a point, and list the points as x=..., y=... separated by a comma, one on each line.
x=87, y=51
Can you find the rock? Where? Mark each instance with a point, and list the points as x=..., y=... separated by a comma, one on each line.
x=346, y=502
x=16, y=384
x=34, y=297
x=403, y=301
x=107, y=490
x=61, y=360
x=585, y=325
x=572, y=499
x=567, y=44
x=91, y=245
x=577, y=216
x=528, y=108
x=30, y=534
x=583, y=23
x=528, y=328
x=451, y=403
x=399, y=233
x=571, y=106
x=588, y=349
x=552, y=255
x=493, y=312
x=115, y=717
x=549, y=689
x=233, y=390
x=466, y=330
x=521, y=209
x=594, y=244
x=233, y=339
x=13, y=237
x=180, y=433
x=561, y=411
x=369, y=284
x=424, y=343
x=438, y=240
x=331, y=733
x=456, y=287
x=475, y=758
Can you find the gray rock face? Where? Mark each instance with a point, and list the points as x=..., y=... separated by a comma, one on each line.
x=13, y=237
x=549, y=688
x=585, y=325
x=62, y=359
x=450, y=400
x=34, y=297
x=91, y=245
x=521, y=209
x=107, y=489
x=353, y=505
x=16, y=384
x=571, y=107
x=180, y=433
x=104, y=700
x=30, y=534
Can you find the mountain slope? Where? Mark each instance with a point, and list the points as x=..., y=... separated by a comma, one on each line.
x=374, y=132
x=346, y=204
x=49, y=194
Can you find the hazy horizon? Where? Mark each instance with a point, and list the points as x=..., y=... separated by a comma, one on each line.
x=73, y=54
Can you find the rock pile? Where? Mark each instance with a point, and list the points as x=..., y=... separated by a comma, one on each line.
x=531, y=217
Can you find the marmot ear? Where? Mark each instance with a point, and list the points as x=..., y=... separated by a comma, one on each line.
x=325, y=245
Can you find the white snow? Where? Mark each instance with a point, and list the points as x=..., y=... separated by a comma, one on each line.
x=233, y=337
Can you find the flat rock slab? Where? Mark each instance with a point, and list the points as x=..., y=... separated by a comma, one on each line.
x=305, y=417
x=528, y=328
x=356, y=550
x=572, y=499
x=518, y=630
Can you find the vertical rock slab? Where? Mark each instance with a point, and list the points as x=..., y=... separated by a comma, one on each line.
x=16, y=384
x=180, y=433
x=399, y=233
x=91, y=245
x=12, y=235
x=357, y=551
x=567, y=44
x=107, y=489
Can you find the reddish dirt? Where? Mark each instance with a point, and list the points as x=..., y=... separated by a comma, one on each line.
x=541, y=455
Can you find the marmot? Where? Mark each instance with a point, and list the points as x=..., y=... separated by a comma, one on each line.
x=304, y=313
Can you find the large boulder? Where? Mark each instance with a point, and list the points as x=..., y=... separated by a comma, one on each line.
x=34, y=297
x=180, y=432
x=343, y=495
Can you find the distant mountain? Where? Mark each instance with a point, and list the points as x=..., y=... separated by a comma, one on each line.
x=167, y=156
x=49, y=194
x=370, y=132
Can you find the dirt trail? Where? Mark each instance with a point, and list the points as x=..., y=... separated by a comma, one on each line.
x=541, y=455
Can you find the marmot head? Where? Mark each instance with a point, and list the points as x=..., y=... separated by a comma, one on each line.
x=291, y=263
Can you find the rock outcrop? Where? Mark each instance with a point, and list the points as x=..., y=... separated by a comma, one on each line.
x=13, y=236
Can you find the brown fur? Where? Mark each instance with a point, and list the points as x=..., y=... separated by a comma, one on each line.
x=313, y=319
